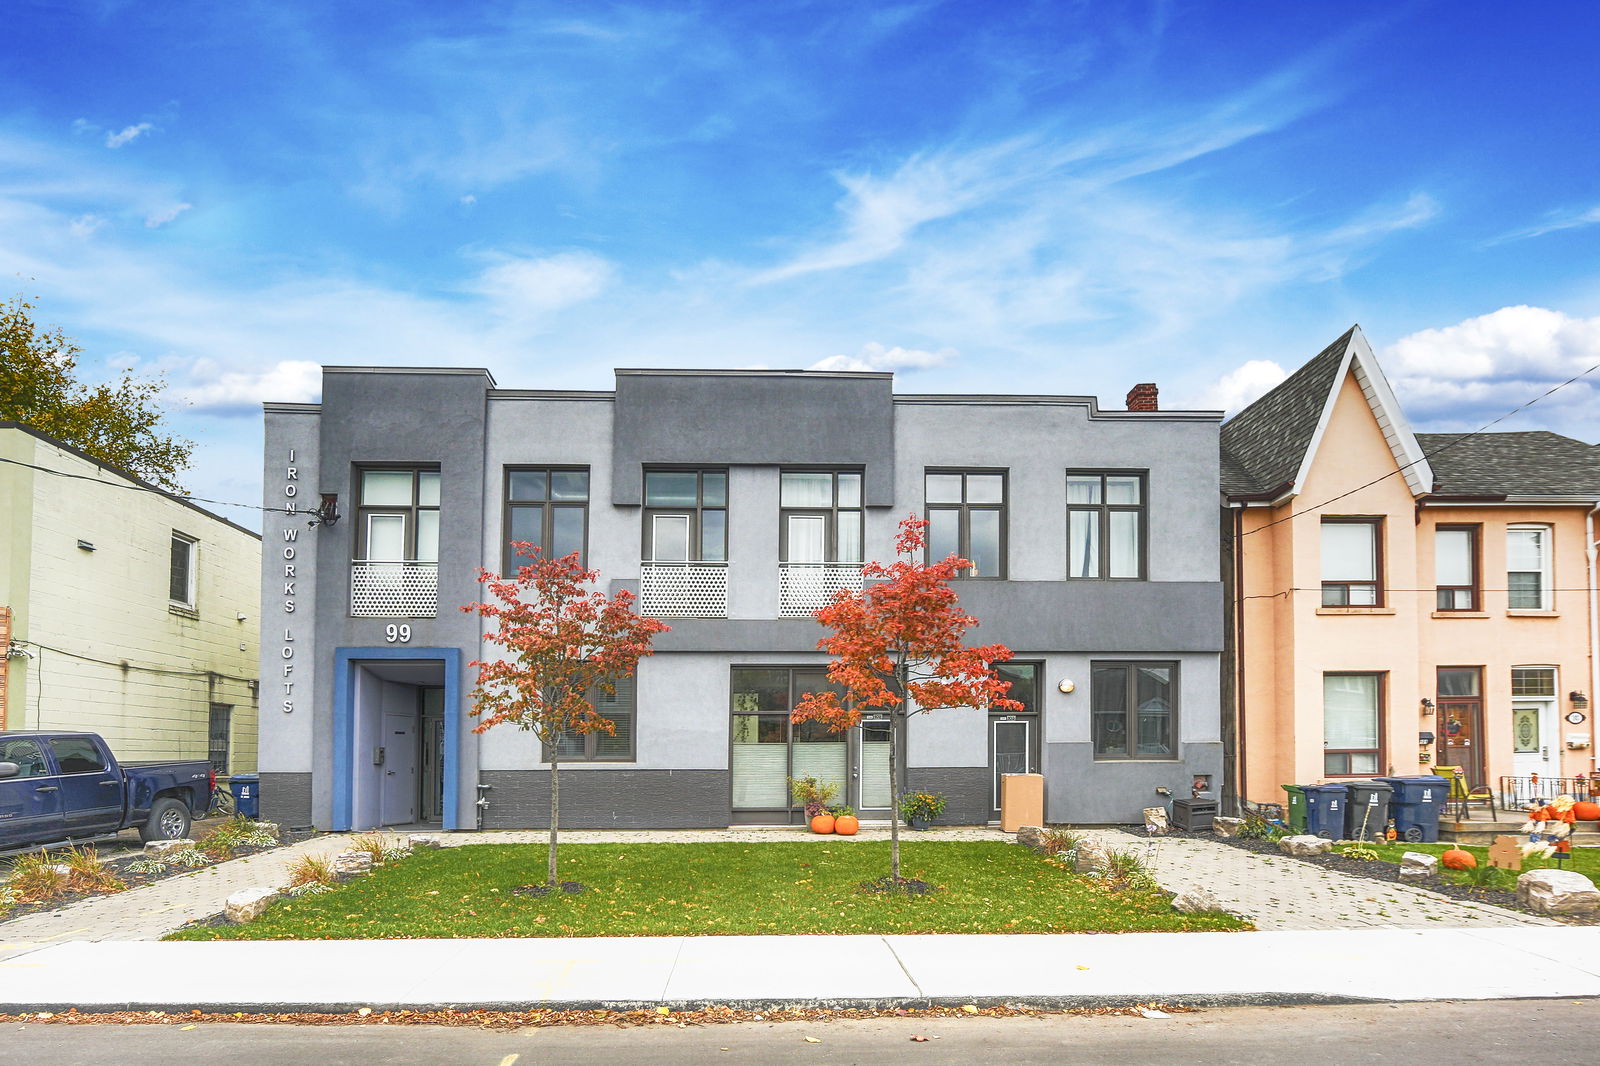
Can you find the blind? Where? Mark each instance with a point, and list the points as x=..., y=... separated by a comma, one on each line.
x=1452, y=560
x=1347, y=551
x=1350, y=711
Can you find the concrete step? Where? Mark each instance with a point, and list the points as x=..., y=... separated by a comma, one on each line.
x=1484, y=833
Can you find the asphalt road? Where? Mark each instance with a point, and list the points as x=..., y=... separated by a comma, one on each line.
x=1417, y=1034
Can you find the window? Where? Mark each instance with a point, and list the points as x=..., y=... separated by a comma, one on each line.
x=77, y=755
x=1351, y=715
x=967, y=517
x=1133, y=710
x=766, y=749
x=1352, y=562
x=26, y=754
x=820, y=516
x=1533, y=681
x=1105, y=525
x=1455, y=567
x=1528, y=568
x=619, y=706
x=180, y=580
x=686, y=516
x=548, y=508
x=219, y=736
x=398, y=519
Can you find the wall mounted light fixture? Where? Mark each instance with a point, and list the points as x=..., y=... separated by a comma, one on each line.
x=1427, y=705
x=1578, y=699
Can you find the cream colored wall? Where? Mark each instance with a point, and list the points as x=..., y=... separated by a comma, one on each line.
x=111, y=656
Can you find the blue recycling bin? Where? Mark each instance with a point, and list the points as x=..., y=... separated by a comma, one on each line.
x=1325, y=810
x=1415, y=806
x=246, y=789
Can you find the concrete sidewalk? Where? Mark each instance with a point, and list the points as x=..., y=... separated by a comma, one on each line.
x=685, y=972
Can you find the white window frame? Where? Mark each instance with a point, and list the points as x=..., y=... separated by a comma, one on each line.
x=190, y=578
x=1546, y=537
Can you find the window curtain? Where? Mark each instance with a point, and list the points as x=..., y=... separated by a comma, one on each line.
x=1347, y=551
x=1350, y=711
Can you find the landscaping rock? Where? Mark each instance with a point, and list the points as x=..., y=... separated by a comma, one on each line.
x=422, y=840
x=248, y=905
x=1226, y=827
x=157, y=849
x=1091, y=857
x=1155, y=820
x=1415, y=866
x=1304, y=845
x=1557, y=892
x=1195, y=901
x=1031, y=836
x=352, y=863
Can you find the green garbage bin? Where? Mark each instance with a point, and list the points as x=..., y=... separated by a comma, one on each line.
x=1297, y=808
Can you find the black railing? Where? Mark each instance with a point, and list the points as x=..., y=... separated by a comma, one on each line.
x=1520, y=793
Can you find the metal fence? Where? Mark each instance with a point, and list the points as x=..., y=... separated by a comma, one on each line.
x=1519, y=793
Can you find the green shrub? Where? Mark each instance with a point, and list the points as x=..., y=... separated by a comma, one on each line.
x=1125, y=869
x=1359, y=851
x=1061, y=841
x=924, y=805
x=812, y=793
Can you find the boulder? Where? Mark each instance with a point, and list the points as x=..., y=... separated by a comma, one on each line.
x=1557, y=892
x=1415, y=866
x=1091, y=857
x=247, y=906
x=1195, y=901
x=158, y=849
x=1155, y=820
x=1304, y=845
x=422, y=840
x=352, y=863
x=1226, y=827
x=1031, y=836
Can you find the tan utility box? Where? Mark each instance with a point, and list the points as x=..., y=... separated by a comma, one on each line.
x=1021, y=801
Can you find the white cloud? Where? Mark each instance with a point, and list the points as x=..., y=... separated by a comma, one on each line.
x=875, y=356
x=1553, y=223
x=85, y=225
x=162, y=215
x=222, y=391
x=126, y=134
x=521, y=286
x=1240, y=387
x=469, y=199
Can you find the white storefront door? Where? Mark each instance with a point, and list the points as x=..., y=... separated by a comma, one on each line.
x=1533, y=739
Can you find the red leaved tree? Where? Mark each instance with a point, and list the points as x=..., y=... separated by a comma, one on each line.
x=898, y=650
x=565, y=645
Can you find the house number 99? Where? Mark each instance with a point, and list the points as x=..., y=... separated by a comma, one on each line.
x=397, y=634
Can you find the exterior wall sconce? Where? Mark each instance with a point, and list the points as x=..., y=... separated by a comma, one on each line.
x=1066, y=686
x=1578, y=699
x=1427, y=705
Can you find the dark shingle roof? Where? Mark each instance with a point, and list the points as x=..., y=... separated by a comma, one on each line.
x=1267, y=441
x=1535, y=463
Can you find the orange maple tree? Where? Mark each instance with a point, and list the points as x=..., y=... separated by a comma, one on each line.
x=897, y=647
x=565, y=644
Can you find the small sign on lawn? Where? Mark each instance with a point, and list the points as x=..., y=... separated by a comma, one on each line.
x=1505, y=853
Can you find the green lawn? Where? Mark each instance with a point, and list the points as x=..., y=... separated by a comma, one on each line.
x=715, y=889
x=1583, y=860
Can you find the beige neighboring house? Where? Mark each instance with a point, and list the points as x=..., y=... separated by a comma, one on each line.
x=124, y=610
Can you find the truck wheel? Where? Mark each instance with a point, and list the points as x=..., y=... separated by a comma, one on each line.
x=169, y=820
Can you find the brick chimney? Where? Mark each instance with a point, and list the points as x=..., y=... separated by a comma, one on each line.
x=1143, y=397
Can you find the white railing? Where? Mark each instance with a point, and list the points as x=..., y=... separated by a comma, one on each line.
x=683, y=590
x=806, y=587
x=394, y=590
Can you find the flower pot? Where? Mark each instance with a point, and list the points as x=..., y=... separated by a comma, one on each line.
x=919, y=823
x=822, y=823
x=846, y=825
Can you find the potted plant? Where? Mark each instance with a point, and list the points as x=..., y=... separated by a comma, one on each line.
x=814, y=796
x=921, y=808
x=845, y=822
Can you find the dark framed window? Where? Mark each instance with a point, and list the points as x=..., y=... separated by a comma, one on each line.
x=819, y=516
x=685, y=516
x=219, y=736
x=1133, y=709
x=966, y=512
x=767, y=750
x=1352, y=562
x=1106, y=525
x=77, y=755
x=620, y=706
x=181, y=574
x=397, y=517
x=1528, y=567
x=1352, y=724
x=1457, y=567
x=549, y=508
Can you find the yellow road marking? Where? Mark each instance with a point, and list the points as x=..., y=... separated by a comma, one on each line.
x=508, y=1060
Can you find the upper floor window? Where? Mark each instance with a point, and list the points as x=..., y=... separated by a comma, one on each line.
x=1352, y=562
x=967, y=517
x=1528, y=568
x=821, y=516
x=181, y=573
x=548, y=508
x=1105, y=525
x=398, y=519
x=1455, y=567
x=686, y=516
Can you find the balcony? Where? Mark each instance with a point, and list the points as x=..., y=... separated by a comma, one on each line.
x=394, y=589
x=683, y=590
x=805, y=587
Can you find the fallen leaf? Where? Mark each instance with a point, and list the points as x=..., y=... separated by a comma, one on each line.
x=919, y=1040
x=1146, y=1012
x=969, y=1009
x=1083, y=967
x=181, y=1028
x=663, y=1011
x=812, y=1040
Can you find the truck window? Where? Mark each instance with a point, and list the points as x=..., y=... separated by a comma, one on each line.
x=27, y=756
x=77, y=755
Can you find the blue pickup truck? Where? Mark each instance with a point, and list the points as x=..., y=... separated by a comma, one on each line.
x=60, y=787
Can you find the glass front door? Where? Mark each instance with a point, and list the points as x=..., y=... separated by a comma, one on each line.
x=871, y=771
x=1532, y=734
x=1010, y=752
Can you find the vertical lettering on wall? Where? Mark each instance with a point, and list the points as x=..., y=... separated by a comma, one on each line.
x=291, y=535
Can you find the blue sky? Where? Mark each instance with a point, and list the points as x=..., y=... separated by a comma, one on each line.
x=1054, y=197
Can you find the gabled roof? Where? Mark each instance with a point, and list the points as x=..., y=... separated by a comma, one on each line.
x=1533, y=463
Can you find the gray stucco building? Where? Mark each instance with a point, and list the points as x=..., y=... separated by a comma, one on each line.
x=733, y=502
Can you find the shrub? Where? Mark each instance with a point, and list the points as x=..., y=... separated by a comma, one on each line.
x=1125, y=870
x=147, y=866
x=1360, y=851
x=1061, y=841
x=1486, y=876
x=35, y=878
x=90, y=873
x=311, y=870
x=813, y=794
x=1256, y=826
x=374, y=846
x=192, y=858
x=926, y=805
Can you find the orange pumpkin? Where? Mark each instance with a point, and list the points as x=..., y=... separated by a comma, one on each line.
x=1586, y=811
x=1456, y=859
x=822, y=823
x=846, y=825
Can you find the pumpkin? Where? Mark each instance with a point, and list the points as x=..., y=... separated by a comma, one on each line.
x=846, y=825
x=1456, y=859
x=1586, y=811
x=822, y=823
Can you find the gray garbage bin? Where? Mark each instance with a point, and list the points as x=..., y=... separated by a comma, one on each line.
x=1366, y=813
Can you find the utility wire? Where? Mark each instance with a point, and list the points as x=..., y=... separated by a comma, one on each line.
x=134, y=666
x=157, y=491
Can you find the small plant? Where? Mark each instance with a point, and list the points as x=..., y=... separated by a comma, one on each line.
x=1486, y=877
x=189, y=858
x=921, y=806
x=310, y=888
x=1255, y=826
x=37, y=877
x=311, y=869
x=8, y=899
x=842, y=811
x=374, y=846
x=1061, y=841
x=813, y=794
x=88, y=872
x=147, y=866
x=1360, y=851
x=396, y=854
x=1125, y=869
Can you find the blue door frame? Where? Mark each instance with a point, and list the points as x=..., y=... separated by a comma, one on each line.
x=345, y=663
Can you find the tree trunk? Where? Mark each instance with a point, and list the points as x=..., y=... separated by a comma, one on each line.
x=555, y=813
x=894, y=796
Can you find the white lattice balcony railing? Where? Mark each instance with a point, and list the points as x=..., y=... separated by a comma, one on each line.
x=806, y=587
x=394, y=590
x=683, y=590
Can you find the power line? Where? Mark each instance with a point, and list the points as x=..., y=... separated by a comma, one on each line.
x=157, y=491
x=134, y=666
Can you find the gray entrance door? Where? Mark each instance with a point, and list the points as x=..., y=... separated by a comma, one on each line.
x=399, y=769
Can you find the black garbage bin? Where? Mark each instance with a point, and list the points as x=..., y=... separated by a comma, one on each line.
x=246, y=789
x=1325, y=810
x=1366, y=814
x=1415, y=806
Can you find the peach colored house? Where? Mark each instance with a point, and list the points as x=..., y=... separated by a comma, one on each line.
x=1400, y=600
